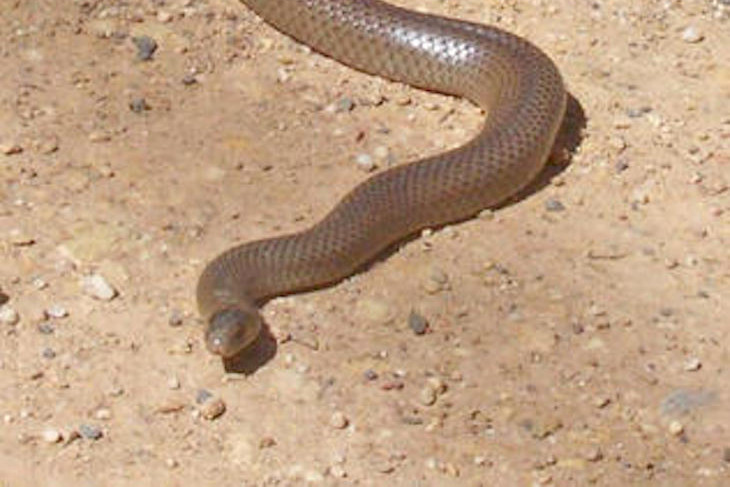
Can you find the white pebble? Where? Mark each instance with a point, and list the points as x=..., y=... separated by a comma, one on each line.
x=56, y=311
x=676, y=428
x=99, y=288
x=692, y=35
x=8, y=316
x=692, y=365
x=51, y=435
x=365, y=162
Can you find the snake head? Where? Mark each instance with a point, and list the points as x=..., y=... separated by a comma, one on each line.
x=231, y=330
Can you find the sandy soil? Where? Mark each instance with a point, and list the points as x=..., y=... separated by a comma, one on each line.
x=578, y=336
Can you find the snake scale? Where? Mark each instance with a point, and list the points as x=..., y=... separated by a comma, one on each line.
x=518, y=85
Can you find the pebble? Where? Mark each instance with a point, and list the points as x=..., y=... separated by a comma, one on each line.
x=46, y=328
x=96, y=286
x=146, y=47
x=10, y=148
x=338, y=420
x=90, y=432
x=103, y=414
x=139, y=105
x=692, y=35
x=676, y=428
x=212, y=408
x=175, y=319
x=594, y=454
x=417, y=323
x=56, y=311
x=554, y=205
x=365, y=162
x=173, y=383
x=693, y=365
x=438, y=281
x=8, y=316
x=164, y=16
x=370, y=374
x=51, y=435
x=427, y=396
x=48, y=353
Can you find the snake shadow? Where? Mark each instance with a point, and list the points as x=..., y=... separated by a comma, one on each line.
x=567, y=141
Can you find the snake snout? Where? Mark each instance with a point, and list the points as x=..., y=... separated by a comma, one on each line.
x=231, y=330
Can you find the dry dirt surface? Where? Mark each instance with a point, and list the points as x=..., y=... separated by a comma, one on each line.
x=576, y=336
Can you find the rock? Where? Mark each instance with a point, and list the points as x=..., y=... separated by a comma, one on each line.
x=51, y=435
x=98, y=288
x=417, y=323
x=676, y=428
x=212, y=408
x=365, y=162
x=693, y=365
x=427, y=396
x=146, y=47
x=8, y=316
x=338, y=420
x=692, y=35
x=56, y=311
x=90, y=432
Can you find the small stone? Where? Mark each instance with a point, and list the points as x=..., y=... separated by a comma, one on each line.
x=146, y=47
x=267, y=442
x=203, y=395
x=163, y=16
x=342, y=105
x=692, y=365
x=10, y=148
x=554, y=205
x=46, y=328
x=90, y=432
x=417, y=323
x=602, y=402
x=212, y=408
x=20, y=238
x=594, y=454
x=99, y=136
x=427, y=396
x=103, y=414
x=8, y=316
x=48, y=353
x=676, y=428
x=139, y=105
x=370, y=374
x=171, y=463
x=365, y=162
x=175, y=319
x=56, y=311
x=51, y=435
x=726, y=455
x=338, y=471
x=189, y=79
x=338, y=420
x=98, y=288
x=692, y=35
x=173, y=383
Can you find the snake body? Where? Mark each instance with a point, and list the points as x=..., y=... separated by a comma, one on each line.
x=513, y=80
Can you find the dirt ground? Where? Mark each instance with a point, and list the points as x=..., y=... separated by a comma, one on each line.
x=578, y=336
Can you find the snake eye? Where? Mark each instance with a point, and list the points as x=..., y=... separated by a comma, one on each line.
x=231, y=330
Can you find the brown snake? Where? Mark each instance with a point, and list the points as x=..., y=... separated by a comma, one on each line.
x=516, y=82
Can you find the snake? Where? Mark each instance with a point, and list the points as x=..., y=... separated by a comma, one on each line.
x=518, y=86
